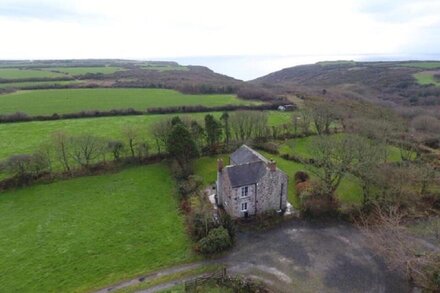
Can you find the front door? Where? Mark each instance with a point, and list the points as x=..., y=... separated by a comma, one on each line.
x=244, y=208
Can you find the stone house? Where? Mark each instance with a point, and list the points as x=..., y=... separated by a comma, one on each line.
x=250, y=184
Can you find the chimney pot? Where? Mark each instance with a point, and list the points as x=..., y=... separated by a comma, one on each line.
x=272, y=165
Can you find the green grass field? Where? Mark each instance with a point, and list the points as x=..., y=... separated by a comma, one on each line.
x=427, y=77
x=25, y=137
x=14, y=73
x=302, y=147
x=47, y=102
x=423, y=64
x=20, y=85
x=84, y=233
x=165, y=68
x=84, y=70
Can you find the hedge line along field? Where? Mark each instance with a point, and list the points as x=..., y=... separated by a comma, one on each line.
x=84, y=70
x=53, y=72
x=47, y=102
x=20, y=85
x=425, y=64
x=26, y=137
x=15, y=73
x=84, y=233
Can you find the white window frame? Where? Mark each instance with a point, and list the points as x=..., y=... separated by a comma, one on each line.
x=244, y=191
x=245, y=205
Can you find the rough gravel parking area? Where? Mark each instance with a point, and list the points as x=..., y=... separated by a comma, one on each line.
x=305, y=257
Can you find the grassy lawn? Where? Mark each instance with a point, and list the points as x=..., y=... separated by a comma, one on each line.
x=88, y=232
x=47, y=102
x=14, y=73
x=426, y=77
x=302, y=147
x=423, y=64
x=25, y=137
x=349, y=191
x=85, y=70
x=21, y=85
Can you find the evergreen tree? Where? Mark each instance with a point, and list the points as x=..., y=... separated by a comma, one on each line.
x=213, y=131
x=181, y=146
x=226, y=127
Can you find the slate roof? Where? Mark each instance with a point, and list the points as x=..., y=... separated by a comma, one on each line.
x=245, y=154
x=246, y=174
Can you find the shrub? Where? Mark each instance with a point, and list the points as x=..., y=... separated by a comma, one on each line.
x=115, y=147
x=218, y=240
x=227, y=223
x=190, y=185
x=202, y=224
x=314, y=202
x=301, y=176
x=270, y=147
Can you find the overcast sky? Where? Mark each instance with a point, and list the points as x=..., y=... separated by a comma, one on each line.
x=237, y=37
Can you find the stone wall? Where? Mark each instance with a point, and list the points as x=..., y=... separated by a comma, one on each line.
x=269, y=190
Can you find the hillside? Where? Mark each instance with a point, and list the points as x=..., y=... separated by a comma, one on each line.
x=400, y=83
x=45, y=74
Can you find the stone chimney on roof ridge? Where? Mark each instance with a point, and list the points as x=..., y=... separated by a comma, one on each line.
x=272, y=165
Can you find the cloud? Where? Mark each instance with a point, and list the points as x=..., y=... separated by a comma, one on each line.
x=181, y=29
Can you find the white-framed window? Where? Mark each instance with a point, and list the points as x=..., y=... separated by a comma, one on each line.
x=244, y=206
x=244, y=191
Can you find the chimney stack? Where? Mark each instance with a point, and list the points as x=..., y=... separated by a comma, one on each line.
x=272, y=165
x=220, y=165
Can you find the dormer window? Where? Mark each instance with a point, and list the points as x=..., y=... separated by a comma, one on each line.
x=244, y=191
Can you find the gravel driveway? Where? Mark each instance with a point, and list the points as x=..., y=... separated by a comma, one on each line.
x=300, y=256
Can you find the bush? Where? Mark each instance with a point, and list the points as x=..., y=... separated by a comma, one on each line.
x=218, y=240
x=202, y=224
x=227, y=223
x=314, y=202
x=270, y=147
x=190, y=185
x=301, y=176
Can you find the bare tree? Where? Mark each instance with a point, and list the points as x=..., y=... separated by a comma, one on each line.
x=367, y=156
x=333, y=156
x=115, y=147
x=322, y=115
x=61, y=144
x=143, y=149
x=132, y=134
x=86, y=148
x=246, y=125
x=161, y=131
x=19, y=165
x=303, y=119
x=45, y=151
x=401, y=250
